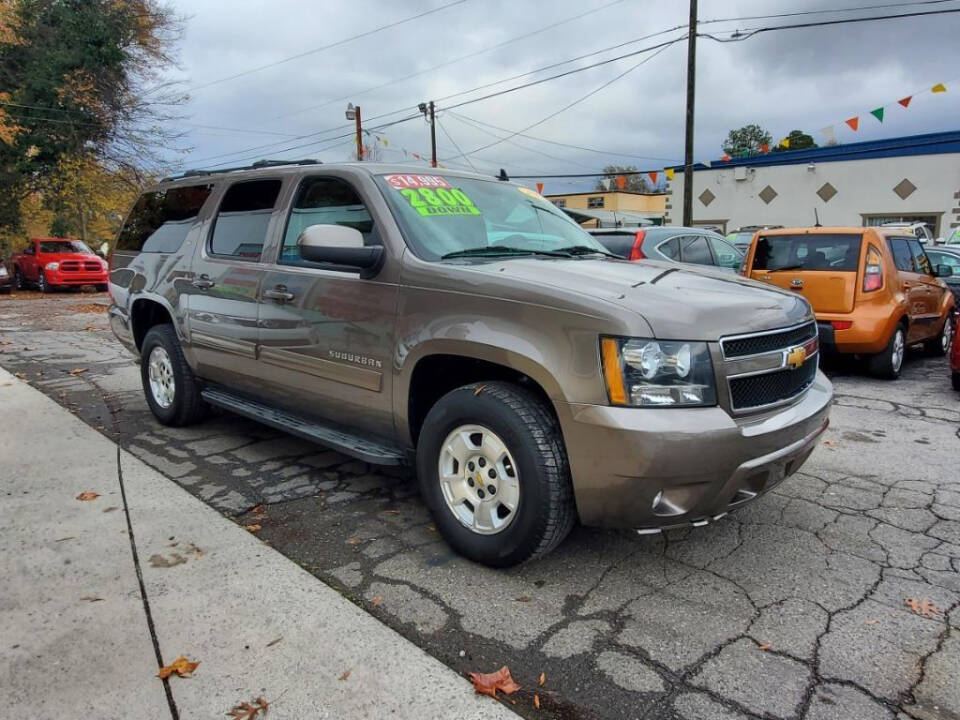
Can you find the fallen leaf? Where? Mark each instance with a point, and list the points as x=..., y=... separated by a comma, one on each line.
x=181, y=666
x=479, y=389
x=274, y=641
x=191, y=548
x=873, y=621
x=523, y=598
x=489, y=683
x=543, y=679
x=78, y=371
x=536, y=701
x=89, y=495
x=111, y=508
x=830, y=443
x=252, y=528
x=345, y=676
x=377, y=600
x=923, y=607
x=248, y=711
x=20, y=375
x=355, y=540
x=159, y=561
x=91, y=598
x=89, y=327
x=765, y=646
x=431, y=527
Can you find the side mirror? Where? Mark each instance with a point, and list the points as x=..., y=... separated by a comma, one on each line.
x=338, y=245
x=943, y=271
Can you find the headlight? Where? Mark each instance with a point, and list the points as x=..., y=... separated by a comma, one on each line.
x=3, y=271
x=52, y=266
x=657, y=373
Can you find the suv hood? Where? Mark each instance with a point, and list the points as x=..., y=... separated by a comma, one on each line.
x=682, y=302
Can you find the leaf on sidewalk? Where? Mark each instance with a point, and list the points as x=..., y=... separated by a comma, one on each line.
x=252, y=528
x=543, y=679
x=111, y=508
x=377, y=600
x=91, y=598
x=159, y=561
x=489, y=683
x=523, y=598
x=765, y=646
x=536, y=701
x=250, y=711
x=345, y=676
x=922, y=607
x=355, y=540
x=89, y=495
x=181, y=666
x=78, y=371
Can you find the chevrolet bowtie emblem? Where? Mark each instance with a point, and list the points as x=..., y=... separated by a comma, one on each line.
x=796, y=357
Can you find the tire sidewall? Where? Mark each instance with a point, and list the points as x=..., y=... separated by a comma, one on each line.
x=894, y=370
x=160, y=338
x=42, y=285
x=463, y=407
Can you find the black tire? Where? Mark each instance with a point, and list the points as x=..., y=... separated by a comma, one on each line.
x=18, y=282
x=545, y=512
x=103, y=287
x=884, y=364
x=955, y=379
x=940, y=345
x=5, y=290
x=186, y=407
x=42, y=285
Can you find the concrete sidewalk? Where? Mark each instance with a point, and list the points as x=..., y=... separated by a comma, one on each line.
x=79, y=639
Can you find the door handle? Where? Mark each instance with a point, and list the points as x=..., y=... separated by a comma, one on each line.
x=203, y=282
x=279, y=294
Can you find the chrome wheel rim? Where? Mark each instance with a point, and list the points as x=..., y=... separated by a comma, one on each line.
x=479, y=479
x=41, y=283
x=898, y=347
x=160, y=374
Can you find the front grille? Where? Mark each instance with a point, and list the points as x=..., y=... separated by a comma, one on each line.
x=757, y=344
x=757, y=390
x=80, y=266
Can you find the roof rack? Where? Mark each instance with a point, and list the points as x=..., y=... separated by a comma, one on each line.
x=199, y=172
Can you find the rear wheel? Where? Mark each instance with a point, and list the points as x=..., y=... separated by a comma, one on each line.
x=171, y=389
x=18, y=282
x=493, y=470
x=888, y=363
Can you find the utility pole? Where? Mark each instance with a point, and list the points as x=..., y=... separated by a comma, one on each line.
x=688, y=151
x=353, y=113
x=428, y=112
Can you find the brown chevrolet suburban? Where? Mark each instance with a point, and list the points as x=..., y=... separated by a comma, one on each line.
x=464, y=325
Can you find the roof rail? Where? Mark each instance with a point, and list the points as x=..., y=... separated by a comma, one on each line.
x=199, y=172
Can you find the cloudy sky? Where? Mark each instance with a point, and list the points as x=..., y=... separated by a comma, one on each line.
x=792, y=79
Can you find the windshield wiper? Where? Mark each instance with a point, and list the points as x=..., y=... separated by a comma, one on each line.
x=786, y=267
x=495, y=250
x=584, y=250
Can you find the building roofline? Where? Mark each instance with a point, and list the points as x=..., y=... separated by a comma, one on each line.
x=606, y=192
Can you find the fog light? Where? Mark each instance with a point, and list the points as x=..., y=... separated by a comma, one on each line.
x=841, y=324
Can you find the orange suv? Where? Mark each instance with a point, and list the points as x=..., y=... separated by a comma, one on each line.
x=873, y=290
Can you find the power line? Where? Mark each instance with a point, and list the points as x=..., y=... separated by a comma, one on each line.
x=825, y=12
x=450, y=138
x=395, y=81
x=338, y=43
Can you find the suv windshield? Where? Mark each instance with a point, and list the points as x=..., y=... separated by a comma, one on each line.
x=63, y=246
x=452, y=216
x=807, y=252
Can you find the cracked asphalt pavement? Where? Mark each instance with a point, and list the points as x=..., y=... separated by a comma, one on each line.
x=798, y=606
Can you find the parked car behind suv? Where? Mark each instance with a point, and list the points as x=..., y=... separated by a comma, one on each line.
x=874, y=291
x=5, y=280
x=48, y=263
x=673, y=244
x=949, y=256
x=468, y=327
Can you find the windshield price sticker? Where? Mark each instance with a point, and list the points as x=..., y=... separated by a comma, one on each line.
x=438, y=202
x=401, y=182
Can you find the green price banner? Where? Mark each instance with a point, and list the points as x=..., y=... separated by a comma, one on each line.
x=438, y=202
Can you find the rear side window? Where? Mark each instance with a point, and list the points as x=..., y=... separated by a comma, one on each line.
x=160, y=220
x=901, y=253
x=838, y=253
x=670, y=248
x=241, y=223
x=694, y=249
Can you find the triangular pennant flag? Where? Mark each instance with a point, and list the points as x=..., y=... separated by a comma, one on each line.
x=785, y=143
x=540, y=188
x=669, y=173
x=725, y=157
x=905, y=101
x=653, y=176
x=854, y=123
x=878, y=113
x=764, y=148
x=939, y=87
x=621, y=181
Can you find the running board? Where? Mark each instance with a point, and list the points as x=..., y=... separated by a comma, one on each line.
x=361, y=448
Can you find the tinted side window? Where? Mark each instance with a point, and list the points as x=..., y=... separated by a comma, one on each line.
x=921, y=263
x=324, y=201
x=726, y=254
x=901, y=254
x=241, y=223
x=160, y=221
x=670, y=248
x=694, y=249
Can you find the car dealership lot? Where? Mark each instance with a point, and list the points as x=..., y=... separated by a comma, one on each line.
x=797, y=606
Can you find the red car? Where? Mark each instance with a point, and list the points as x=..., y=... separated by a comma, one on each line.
x=955, y=355
x=48, y=263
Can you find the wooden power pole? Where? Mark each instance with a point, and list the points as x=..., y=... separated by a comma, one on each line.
x=688, y=149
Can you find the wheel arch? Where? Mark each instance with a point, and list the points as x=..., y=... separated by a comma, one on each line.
x=146, y=311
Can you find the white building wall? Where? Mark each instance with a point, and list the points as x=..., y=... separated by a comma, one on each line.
x=864, y=187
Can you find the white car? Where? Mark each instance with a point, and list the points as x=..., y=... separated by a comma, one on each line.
x=920, y=230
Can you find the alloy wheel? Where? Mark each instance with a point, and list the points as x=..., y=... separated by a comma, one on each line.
x=896, y=358
x=479, y=479
x=160, y=373
x=946, y=337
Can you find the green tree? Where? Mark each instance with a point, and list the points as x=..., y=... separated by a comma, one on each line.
x=81, y=79
x=746, y=140
x=799, y=140
x=632, y=183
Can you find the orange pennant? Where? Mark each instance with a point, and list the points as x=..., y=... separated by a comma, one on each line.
x=854, y=123
x=653, y=177
x=725, y=157
x=905, y=101
x=621, y=181
x=540, y=188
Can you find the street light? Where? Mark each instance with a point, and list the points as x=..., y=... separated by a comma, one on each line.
x=353, y=113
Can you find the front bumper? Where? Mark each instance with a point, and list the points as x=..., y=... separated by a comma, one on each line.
x=56, y=277
x=653, y=469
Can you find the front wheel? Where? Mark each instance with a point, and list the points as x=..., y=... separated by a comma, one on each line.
x=889, y=361
x=171, y=389
x=42, y=284
x=493, y=470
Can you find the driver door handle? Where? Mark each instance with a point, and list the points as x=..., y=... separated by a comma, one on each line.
x=203, y=282
x=279, y=293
